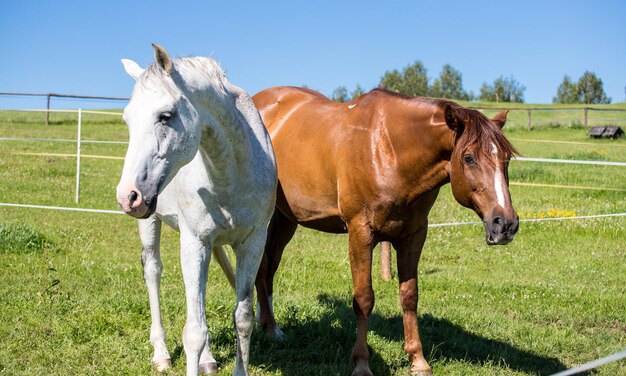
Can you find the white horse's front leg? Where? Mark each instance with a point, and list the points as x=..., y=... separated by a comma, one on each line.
x=194, y=258
x=150, y=233
x=249, y=255
x=208, y=364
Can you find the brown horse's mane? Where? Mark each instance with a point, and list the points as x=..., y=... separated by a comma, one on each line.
x=477, y=128
x=482, y=131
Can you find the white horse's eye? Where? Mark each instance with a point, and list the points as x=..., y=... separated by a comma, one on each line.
x=164, y=117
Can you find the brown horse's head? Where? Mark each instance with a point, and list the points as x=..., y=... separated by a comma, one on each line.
x=478, y=170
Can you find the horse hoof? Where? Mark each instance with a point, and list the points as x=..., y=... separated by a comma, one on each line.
x=278, y=334
x=427, y=372
x=161, y=365
x=362, y=370
x=208, y=368
x=421, y=373
x=275, y=333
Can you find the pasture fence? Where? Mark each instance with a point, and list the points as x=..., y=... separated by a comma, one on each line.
x=554, y=117
x=49, y=96
x=78, y=139
x=528, y=117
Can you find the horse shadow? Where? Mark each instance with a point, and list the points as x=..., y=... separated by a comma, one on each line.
x=322, y=345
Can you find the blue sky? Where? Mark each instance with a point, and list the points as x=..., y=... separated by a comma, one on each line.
x=75, y=46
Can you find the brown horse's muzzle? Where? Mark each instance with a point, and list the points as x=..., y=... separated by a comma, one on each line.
x=499, y=230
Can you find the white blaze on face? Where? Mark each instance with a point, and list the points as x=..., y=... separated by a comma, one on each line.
x=498, y=179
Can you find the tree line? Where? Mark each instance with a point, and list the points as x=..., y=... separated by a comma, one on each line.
x=413, y=80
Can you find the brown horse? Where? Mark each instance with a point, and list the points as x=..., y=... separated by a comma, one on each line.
x=373, y=167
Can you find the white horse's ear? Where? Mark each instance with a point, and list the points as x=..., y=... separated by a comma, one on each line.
x=162, y=58
x=133, y=69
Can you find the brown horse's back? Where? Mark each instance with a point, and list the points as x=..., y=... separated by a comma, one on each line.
x=337, y=161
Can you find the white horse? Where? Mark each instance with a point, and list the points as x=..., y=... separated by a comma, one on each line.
x=194, y=132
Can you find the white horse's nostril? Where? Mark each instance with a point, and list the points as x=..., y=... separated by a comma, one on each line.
x=132, y=196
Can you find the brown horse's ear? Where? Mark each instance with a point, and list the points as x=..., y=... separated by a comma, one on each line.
x=500, y=118
x=452, y=119
x=162, y=58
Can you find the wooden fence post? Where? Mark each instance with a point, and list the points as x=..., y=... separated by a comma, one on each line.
x=385, y=261
x=586, y=108
x=48, y=111
x=530, y=123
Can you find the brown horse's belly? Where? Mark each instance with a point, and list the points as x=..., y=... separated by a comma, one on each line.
x=311, y=217
x=333, y=225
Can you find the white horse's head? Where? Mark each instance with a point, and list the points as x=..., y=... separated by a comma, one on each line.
x=164, y=133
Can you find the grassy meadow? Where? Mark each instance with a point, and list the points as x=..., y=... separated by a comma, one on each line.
x=72, y=299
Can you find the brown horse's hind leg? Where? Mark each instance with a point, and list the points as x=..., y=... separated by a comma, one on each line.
x=360, y=249
x=279, y=233
x=408, y=254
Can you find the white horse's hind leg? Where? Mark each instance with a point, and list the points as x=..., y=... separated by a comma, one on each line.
x=249, y=255
x=194, y=258
x=222, y=260
x=150, y=233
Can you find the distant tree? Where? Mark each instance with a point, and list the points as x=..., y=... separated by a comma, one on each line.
x=413, y=80
x=591, y=89
x=449, y=84
x=358, y=91
x=567, y=92
x=392, y=80
x=340, y=94
x=503, y=90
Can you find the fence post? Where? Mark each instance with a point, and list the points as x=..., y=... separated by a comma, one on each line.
x=586, y=109
x=80, y=113
x=530, y=123
x=48, y=111
x=385, y=261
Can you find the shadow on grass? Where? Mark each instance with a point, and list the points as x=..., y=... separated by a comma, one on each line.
x=322, y=345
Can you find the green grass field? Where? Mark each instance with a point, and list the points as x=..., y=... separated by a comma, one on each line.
x=72, y=299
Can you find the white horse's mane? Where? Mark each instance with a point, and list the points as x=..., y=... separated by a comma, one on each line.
x=204, y=69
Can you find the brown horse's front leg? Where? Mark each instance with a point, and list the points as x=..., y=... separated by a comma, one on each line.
x=408, y=254
x=360, y=249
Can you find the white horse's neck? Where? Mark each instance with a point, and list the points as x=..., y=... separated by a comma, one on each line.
x=231, y=130
x=228, y=127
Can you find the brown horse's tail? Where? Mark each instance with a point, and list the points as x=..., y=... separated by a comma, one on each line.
x=224, y=263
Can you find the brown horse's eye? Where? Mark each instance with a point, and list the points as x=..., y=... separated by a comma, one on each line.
x=469, y=159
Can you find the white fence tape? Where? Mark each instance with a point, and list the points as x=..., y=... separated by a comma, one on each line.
x=62, y=208
x=431, y=225
x=71, y=111
x=60, y=140
x=593, y=364
x=533, y=219
x=570, y=161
